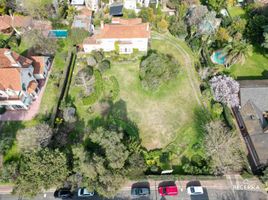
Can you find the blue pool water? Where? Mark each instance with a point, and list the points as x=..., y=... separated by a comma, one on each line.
x=218, y=57
x=58, y=34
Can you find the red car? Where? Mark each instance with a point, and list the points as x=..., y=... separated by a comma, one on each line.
x=168, y=190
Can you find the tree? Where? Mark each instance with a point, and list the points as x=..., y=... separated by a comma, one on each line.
x=116, y=152
x=129, y=13
x=147, y=15
x=177, y=27
x=223, y=35
x=254, y=29
x=77, y=35
x=38, y=8
x=40, y=170
x=238, y=26
x=84, y=79
x=39, y=43
x=216, y=5
x=225, y=90
x=223, y=148
x=195, y=15
x=237, y=51
x=156, y=69
x=265, y=35
x=71, y=12
x=162, y=25
x=3, y=7
x=35, y=137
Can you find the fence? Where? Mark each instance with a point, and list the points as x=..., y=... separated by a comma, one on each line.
x=64, y=83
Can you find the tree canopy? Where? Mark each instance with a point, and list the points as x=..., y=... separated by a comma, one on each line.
x=40, y=170
x=157, y=69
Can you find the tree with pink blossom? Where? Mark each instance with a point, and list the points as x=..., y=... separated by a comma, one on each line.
x=225, y=90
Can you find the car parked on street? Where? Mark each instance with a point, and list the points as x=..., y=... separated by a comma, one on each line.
x=83, y=192
x=140, y=191
x=171, y=190
x=63, y=193
x=195, y=190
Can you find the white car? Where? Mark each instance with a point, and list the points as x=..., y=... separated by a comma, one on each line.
x=83, y=192
x=195, y=190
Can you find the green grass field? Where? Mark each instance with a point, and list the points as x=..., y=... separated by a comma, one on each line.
x=254, y=67
x=165, y=118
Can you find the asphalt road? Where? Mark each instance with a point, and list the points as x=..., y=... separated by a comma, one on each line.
x=209, y=194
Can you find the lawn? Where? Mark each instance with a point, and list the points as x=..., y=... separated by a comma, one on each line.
x=236, y=11
x=254, y=67
x=165, y=118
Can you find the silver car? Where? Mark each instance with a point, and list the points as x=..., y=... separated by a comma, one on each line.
x=83, y=192
x=195, y=190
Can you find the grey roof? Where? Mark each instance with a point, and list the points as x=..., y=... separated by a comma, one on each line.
x=256, y=91
x=116, y=9
x=255, y=124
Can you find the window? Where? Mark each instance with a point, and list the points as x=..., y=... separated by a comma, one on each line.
x=17, y=107
x=29, y=74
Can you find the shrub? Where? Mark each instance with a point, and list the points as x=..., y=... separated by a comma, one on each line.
x=217, y=110
x=98, y=89
x=157, y=69
x=104, y=65
x=116, y=88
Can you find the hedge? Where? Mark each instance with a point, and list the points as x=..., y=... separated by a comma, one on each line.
x=98, y=89
x=116, y=88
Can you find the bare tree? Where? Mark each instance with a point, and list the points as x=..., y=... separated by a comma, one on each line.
x=34, y=137
x=224, y=148
x=225, y=90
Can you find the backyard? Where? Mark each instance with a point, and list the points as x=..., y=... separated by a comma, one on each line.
x=166, y=118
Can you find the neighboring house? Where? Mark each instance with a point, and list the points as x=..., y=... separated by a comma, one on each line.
x=252, y=119
x=23, y=23
x=116, y=9
x=91, y=4
x=133, y=4
x=83, y=20
x=7, y=23
x=19, y=79
x=128, y=34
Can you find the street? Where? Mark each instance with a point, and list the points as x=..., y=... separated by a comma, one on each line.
x=231, y=188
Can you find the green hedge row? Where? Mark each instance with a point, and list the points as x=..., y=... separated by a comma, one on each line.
x=98, y=89
x=116, y=88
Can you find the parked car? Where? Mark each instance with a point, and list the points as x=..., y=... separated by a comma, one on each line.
x=140, y=191
x=83, y=192
x=195, y=190
x=168, y=190
x=63, y=193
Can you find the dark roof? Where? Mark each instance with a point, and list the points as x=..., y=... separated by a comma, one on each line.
x=256, y=91
x=255, y=124
x=116, y=9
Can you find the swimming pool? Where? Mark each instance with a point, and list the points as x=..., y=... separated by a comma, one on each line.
x=218, y=57
x=58, y=34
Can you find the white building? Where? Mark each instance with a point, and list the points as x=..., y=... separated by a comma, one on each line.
x=128, y=34
x=91, y=4
x=19, y=79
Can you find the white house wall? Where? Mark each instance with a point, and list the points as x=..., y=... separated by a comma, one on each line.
x=27, y=76
x=109, y=44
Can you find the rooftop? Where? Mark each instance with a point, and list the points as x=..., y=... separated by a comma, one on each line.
x=18, y=21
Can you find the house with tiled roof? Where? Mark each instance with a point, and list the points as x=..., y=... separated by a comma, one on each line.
x=252, y=119
x=83, y=20
x=90, y=4
x=20, y=79
x=7, y=23
x=128, y=34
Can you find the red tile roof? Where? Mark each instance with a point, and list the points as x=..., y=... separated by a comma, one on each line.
x=5, y=62
x=32, y=86
x=38, y=64
x=19, y=21
x=132, y=28
x=10, y=78
x=118, y=20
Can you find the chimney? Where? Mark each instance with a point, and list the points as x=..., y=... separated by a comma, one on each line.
x=102, y=24
x=10, y=57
